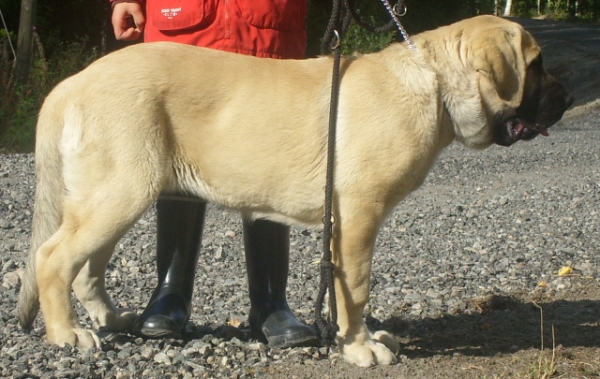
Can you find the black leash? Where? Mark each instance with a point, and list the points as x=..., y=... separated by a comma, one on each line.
x=338, y=24
x=342, y=13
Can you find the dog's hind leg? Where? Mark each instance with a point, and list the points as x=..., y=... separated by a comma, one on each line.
x=89, y=287
x=87, y=236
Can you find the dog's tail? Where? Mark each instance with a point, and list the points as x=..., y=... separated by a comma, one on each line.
x=47, y=213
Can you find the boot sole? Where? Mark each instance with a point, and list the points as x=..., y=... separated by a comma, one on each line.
x=294, y=340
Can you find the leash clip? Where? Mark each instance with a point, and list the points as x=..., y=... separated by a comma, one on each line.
x=395, y=13
x=335, y=41
x=400, y=12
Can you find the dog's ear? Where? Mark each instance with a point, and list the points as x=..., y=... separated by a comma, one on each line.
x=500, y=55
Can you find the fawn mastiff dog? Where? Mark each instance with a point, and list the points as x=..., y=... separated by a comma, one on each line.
x=250, y=134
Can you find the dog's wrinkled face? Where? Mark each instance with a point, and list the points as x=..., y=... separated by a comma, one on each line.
x=543, y=104
x=516, y=98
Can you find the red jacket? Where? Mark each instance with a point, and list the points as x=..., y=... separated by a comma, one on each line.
x=264, y=28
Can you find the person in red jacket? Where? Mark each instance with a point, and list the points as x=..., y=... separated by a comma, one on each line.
x=263, y=28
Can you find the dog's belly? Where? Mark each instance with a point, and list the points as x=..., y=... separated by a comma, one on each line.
x=256, y=196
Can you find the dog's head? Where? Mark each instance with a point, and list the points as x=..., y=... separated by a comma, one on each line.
x=543, y=103
x=500, y=92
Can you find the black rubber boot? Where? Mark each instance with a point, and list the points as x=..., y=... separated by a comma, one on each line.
x=179, y=234
x=267, y=260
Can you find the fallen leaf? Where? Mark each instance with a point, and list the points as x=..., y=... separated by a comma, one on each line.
x=564, y=271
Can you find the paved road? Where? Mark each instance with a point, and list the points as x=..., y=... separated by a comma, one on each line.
x=571, y=54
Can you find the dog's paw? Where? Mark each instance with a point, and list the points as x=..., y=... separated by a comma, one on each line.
x=120, y=321
x=368, y=353
x=77, y=337
x=388, y=340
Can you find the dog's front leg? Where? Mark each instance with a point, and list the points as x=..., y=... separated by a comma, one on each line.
x=353, y=244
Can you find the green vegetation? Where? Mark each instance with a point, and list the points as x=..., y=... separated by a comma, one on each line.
x=20, y=104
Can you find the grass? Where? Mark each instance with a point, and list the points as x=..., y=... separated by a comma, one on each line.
x=546, y=366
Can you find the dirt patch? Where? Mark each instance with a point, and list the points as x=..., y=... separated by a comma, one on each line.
x=499, y=336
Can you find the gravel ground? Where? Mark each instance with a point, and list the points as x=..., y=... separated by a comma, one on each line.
x=456, y=269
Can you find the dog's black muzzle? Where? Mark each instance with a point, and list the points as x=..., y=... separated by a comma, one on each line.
x=542, y=107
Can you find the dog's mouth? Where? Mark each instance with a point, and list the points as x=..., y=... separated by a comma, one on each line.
x=541, y=107
x=515, y=128
x=518, y=129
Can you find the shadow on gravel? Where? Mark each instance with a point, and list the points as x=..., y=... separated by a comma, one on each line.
x=496, y=325
x=500, y=325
